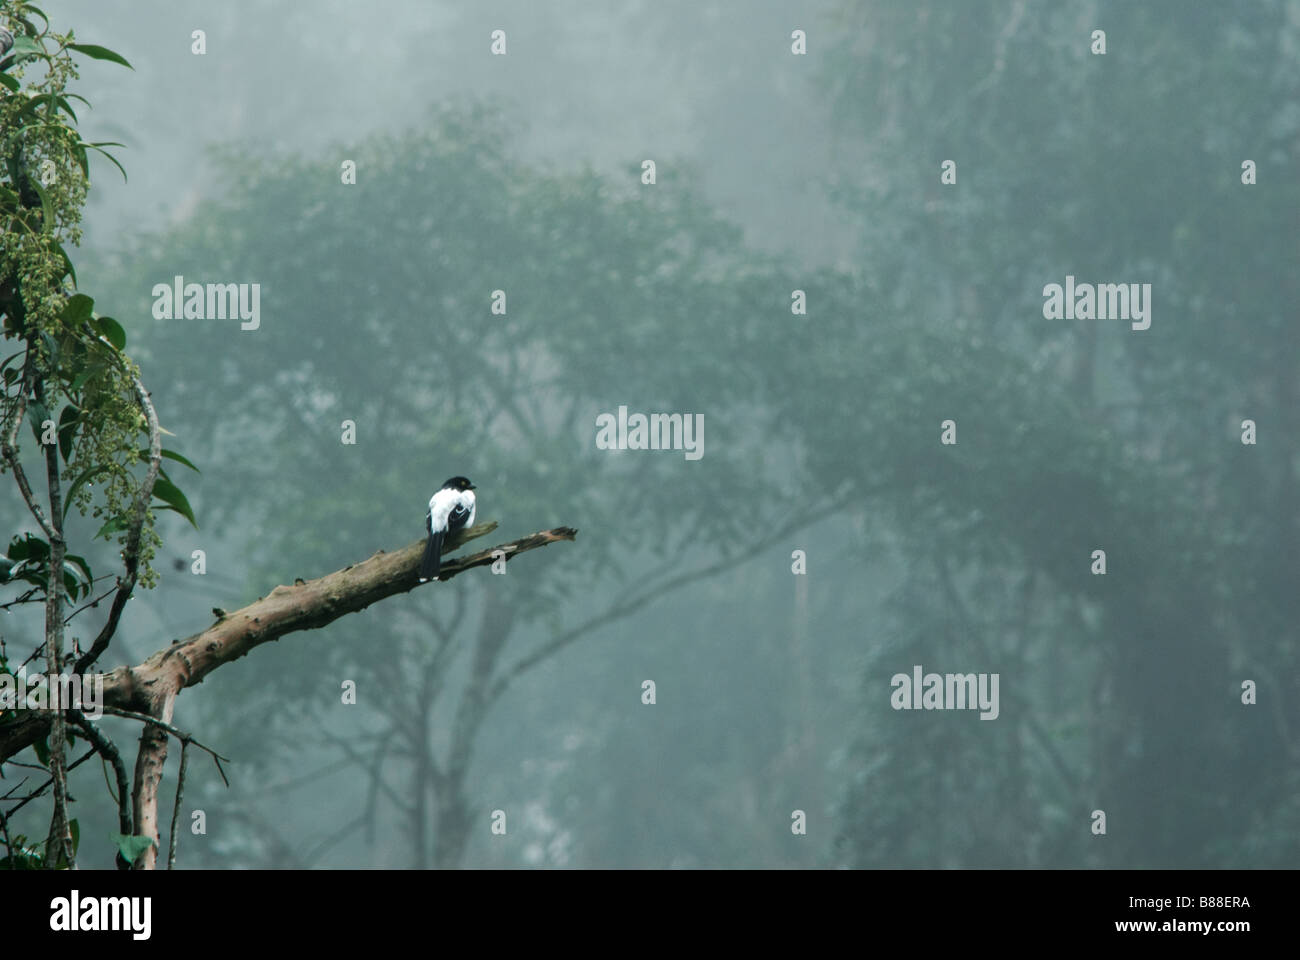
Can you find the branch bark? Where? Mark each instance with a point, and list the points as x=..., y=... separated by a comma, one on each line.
x=149, y=762
x=145, y=687
x=58, y=845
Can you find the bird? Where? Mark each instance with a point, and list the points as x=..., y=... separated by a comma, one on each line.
x=450, y=509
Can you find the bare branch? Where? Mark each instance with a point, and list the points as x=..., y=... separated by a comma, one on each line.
x=180, y=735
x=88, y=604
x=9, y=450
x=108, y=750
x=149, y=762
x=58, y=845
x=46, y=785
x=176, y=808
x=303, y=606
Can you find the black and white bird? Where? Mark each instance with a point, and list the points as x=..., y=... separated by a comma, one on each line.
x=450, y=509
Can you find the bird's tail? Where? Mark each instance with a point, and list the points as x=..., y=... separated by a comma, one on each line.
x=432, y=560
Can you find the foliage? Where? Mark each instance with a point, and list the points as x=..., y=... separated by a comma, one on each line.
x=69, y=377
x=75, y=355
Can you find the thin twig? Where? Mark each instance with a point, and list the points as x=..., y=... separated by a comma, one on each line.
x=9, y=450
x=26, y=597
x=92, y=603
x=9, y=843
x=180, y=735
x=108, y=750
x=176, y=809
x=17, y=786
x=43, y=787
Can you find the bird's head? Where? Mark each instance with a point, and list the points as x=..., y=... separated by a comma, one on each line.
x=458, y=483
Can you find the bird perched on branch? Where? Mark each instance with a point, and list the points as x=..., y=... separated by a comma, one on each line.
x=450, y=509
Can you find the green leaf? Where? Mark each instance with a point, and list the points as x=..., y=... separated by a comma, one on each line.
x=33, y=103
x=78, y=308
x=89, y=373
x=80, y=563
x=69, y=420
x=78, y=483
x=74, y=828
x=37, y=415
x=79, y=154
x=112, y=159
x=11, y=166
x=173, y=455
x=170, y=494
x=40, y=13
x=111, y=526
x=47, y=220
x=23, y=856
x=42, y=749
x=131, y=848
x=67, y=265
x=9, y=82
x=28, y=547
x=51, y=347
x=110, y=330
x=97, y=52
x=25, y=46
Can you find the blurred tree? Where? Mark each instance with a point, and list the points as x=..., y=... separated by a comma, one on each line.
x=377, y=310
x=1074, y=436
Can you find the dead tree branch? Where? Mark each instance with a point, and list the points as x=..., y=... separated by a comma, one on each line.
x=305, y=605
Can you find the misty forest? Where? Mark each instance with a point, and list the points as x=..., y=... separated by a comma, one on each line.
x=883, y=417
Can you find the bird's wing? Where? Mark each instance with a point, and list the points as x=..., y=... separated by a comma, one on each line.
x=463, y=514
x=440, y=506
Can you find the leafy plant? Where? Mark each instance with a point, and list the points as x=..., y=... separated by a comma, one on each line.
x=64, y=371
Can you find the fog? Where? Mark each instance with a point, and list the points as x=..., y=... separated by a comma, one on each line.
x=981, y=553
